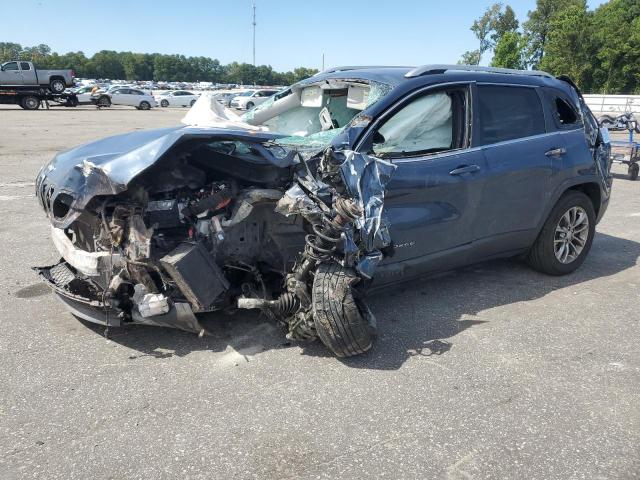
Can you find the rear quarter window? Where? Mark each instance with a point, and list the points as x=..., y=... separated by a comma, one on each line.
x=563, y=111
x=507, y=113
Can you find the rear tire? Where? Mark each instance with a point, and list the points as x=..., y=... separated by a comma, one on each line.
x=30, y=102
x=542, y=256
x=633, y=171
x=339, y=320
x=192, y=103
x=57, y=86
x=145, y=105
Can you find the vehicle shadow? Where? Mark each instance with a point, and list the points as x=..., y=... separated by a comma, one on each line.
x=421, y=317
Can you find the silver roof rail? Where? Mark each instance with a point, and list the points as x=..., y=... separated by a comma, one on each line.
x=433, y=69
x=361, y=67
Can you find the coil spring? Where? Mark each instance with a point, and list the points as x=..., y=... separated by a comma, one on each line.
x=321, y=244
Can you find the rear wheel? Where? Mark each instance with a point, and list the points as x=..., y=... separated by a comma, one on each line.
x=192, y=102
x=565, y=239
x=343, y=324
x=145, y=105
x=57, y=86
x=634, y=168
x=30, y=102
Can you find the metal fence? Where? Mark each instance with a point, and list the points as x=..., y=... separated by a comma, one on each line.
x=613, y=104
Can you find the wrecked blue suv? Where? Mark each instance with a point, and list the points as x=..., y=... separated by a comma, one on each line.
x=354, y=178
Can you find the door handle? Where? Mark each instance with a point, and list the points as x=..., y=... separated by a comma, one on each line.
x=556, y=152
x=464, y=169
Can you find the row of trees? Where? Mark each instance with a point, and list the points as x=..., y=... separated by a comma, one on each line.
x=599, y=49
x=151, y=66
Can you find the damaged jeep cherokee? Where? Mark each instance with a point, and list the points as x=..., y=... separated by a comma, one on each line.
x=356, y=178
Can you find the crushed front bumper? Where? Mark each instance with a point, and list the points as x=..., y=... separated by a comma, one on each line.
x=85, y=299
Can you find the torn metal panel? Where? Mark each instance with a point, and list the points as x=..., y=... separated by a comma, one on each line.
x=366, y=178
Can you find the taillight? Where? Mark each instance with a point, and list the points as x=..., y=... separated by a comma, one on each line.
x=73, y=73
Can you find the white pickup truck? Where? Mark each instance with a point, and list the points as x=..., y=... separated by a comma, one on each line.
x=23, y=74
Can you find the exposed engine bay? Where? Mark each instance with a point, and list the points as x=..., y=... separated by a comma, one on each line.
x=213, y=226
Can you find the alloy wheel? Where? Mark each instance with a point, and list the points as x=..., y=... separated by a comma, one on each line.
x=571, y=235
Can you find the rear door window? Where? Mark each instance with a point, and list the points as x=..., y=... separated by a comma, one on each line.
x=507, y=113
x=25, y=66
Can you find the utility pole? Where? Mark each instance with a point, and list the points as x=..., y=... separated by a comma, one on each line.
x=322, y=62
x=254, y=33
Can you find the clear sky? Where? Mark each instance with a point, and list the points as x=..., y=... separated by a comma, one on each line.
x=289, y=33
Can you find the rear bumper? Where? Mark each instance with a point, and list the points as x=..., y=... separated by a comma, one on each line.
x=85, y=299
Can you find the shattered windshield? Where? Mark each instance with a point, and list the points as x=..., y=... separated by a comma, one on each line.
x=312, y=115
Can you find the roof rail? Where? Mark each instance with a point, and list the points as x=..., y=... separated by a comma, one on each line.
x=433, y=69
x=361, y=67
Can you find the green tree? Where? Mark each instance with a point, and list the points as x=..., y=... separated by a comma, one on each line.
x=9, y=51
x=509, y=52
x=538, y=24
x=505, y=22
x=616, y=55
x=569, y=45
x=489, y=29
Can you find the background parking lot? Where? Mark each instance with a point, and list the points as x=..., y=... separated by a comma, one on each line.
x=490, y=371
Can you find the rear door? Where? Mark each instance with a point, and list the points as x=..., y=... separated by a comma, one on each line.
x=28, y=74
x=10, y=74
x=431, y=199
x=521, y=160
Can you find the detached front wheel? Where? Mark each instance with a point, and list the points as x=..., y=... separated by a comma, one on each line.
x=342, y=323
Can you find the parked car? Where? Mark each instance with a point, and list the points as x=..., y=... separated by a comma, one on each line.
x=377, y=175
x=226, y=98
x=250, y=98
x=125, y=96
x=178, y=98
x=83, y=94
x=22, y=74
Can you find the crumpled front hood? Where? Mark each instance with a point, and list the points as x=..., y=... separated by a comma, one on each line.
x=107, y=166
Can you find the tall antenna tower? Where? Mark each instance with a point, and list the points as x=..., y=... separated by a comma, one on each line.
x=254, y=32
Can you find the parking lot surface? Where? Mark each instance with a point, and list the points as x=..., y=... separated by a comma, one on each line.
x=494, y=371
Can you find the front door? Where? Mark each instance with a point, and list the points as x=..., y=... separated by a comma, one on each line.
x=432, y=197
x=10, y=74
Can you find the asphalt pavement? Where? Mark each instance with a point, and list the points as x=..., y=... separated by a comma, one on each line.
x=493, y=371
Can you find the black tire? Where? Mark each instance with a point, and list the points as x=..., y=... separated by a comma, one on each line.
x=192, y=103
x=542, y=256
x=164, y=103
x=145, y=106
x=250, y=105
x=339, y=320
x=634, y=168
x=103, y=101
x=57, y=85
x=30, y=102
